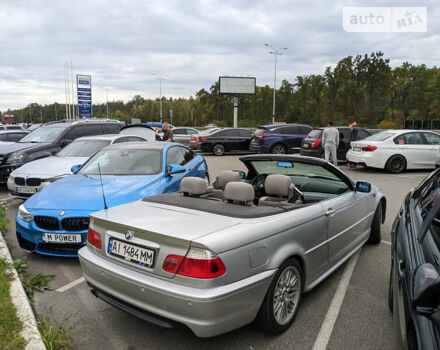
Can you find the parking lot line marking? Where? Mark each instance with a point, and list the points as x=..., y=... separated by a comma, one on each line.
x=326, y=330
x=71, y=285
x=386, y=242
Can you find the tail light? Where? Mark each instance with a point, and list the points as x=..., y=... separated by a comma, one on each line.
x=202, y=139
x=349, y=147
x=264, y=136
x=369, y=148
x=198, y=263
x=315, y=143
x=94, y=238
x=194, y=138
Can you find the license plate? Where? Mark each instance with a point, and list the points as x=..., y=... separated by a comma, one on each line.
x=357, y=149
x=139, y=255
x=26, y=190
x=61, y=237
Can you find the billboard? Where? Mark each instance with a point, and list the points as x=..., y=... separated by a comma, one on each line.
x=237, y=85
x=84, y=93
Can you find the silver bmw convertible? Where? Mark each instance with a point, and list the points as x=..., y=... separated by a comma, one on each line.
x=215, y=258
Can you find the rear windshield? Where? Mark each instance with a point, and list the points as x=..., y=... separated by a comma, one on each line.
x=260, y=130
x=315, y=134
x=380, y=136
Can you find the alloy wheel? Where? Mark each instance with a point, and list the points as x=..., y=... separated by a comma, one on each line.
x=219, y=150
x=397, y=165
x=279, y=149
x=286, y=295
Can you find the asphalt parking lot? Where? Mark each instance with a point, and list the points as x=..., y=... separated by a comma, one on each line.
x=347, y=311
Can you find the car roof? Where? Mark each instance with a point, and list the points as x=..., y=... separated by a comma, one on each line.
x=273, y=126
x=143, y=145
x=13, y=131
x=109, y=137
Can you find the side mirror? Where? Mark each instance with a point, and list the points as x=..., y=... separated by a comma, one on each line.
x=426, y=290
x=175, y=169
x=363, y=186
x=241, y=173
x=75, y=168
x=64, y=143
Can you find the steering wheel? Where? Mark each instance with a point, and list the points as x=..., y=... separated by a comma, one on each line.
x=258, y=183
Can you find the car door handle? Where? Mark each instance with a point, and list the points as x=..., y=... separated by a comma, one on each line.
x=400, y=269
x=330, y=212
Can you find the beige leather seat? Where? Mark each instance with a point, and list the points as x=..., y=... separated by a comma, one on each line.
x=279, y=189
x=239, y=193
x=222, y=180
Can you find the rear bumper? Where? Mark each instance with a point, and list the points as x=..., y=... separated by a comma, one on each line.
x=257, y=149
x=369, y=159
x=207, y=312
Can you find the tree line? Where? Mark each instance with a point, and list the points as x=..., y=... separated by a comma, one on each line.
x=364, y=88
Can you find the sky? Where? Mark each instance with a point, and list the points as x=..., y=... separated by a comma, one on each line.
x=190, y=43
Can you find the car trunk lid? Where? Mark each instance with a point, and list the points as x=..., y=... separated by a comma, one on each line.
x=165, y=230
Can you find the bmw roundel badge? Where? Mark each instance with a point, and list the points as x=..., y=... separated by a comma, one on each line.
x=128, y=234
x=62, y=213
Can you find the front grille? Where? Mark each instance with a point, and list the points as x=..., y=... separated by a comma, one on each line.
x=33, y=181
x=20, y=181
x=75, y=224
x=47, y=222
x=71, y=248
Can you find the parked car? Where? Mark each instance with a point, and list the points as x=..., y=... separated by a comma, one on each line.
x=49, y=139
x=194, y=143
x=32, y=177
x=184, y=135
x=55, y=220
x=312, y=147
x=414, y=287
x=10, y=127
x=220, y=141
x=279, y=139
x=217, y=264
x=12, y=135
x=397, y=150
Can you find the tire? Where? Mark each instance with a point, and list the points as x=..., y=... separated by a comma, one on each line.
x=390, y=288
x=218, y=149
x=279, y=149
x=267, y=319
x=396, y=164
x=322, y=155
x=375, y=235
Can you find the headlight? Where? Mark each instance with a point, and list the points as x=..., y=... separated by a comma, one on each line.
x=53, y=179
x=24, y=214
x=15, y=158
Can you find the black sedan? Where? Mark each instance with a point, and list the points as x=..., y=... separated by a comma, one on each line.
x=414, y=289
x=225, y=140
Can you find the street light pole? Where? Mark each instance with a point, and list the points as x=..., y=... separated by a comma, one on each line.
x=276, y=53
x=106, y=94
x=160, y=78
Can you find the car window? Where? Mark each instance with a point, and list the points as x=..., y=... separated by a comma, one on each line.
x=45, y=134
x=4, y=137
x=226, y=133
x=179, y=131
x=410, y=138
x=120, y=140
x=362, y=134
x=380, y=136
x=191, y=131
x=304, y=130
x=244, y=133
x=315, y=134
x=111, y=128
x=288, y=130
x=431, y=138
x=133, y=139
x=179, y=155
x=15, y=137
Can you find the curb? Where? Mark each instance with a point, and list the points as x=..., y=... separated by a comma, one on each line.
x=21, y=302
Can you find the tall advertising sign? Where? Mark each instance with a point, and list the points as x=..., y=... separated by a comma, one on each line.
x=84, y=89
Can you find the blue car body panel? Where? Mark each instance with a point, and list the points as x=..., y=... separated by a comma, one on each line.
x=77, y=196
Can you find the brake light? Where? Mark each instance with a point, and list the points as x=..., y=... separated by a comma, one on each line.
x=198, y=263
x=369, y=148
x=202, y=139
x=315, y=143
x=349, y=147
x=264, y=136
x=94, y=238
x=194, y=138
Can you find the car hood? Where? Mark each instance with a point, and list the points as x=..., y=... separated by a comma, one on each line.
x=9, y=147
x=84, y=192
x=46, y=168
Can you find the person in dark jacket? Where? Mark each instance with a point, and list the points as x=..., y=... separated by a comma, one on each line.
x=167, y=133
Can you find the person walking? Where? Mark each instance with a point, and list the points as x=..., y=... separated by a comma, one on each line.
x=330, y=142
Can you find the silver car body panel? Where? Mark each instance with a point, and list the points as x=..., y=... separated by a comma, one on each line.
x=321, y=236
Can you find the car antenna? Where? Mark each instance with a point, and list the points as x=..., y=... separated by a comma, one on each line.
x=102, y=187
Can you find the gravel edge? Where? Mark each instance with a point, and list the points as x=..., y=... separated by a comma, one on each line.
x=21, y=302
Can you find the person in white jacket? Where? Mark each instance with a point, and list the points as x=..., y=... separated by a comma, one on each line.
x=330, y=142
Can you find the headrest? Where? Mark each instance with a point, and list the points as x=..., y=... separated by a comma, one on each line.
x=193, y=186
x=278, y=185
x=225, y=177
x=239, y=192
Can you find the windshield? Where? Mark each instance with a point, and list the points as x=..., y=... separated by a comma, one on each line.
x=268, y=167
x=315, y=134
x=260, y=130
x=83, y=148
x=44, y=134
x=380, y=136
x=124, y=162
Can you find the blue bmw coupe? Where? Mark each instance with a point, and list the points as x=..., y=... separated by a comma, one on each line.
x=55, y=220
